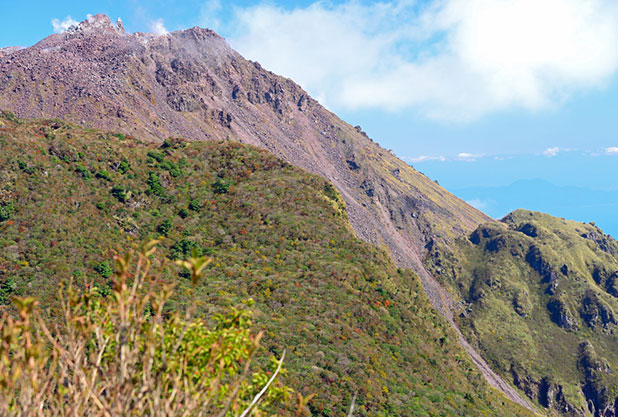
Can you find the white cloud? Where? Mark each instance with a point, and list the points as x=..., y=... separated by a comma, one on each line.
x=612, y=150
x=63, y=25
x=157, y=27
x=553, y=151
x=423, y=158
x=448, y=59
x=469, y=157
x=549, y=152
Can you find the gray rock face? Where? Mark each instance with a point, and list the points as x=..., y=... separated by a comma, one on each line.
x=549, y=394
x=96, y=24
x=560, y=314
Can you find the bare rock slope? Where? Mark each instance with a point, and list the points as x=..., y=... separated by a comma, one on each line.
x=190, y=83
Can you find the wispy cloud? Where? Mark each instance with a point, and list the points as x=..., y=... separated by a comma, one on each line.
x=209, y=14
x=478, y=204
x=157, y=27
x=63, y=25
x=447, y=59
x=468, y=157
x=550, y=152
x=424, y=158
x=553, y=151
x=612, y=150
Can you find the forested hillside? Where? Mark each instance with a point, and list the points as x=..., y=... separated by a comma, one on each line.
x=352, y=322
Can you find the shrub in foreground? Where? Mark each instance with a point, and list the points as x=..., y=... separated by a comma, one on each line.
x=125, y=355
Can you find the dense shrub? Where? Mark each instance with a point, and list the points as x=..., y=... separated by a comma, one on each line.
x=6, y=210
x=82, y=171
x=165, y=227
x=104, y=269
x=157, y=156
x=183, y=213
x=220, y=186
x=194, y=206
x=104, y=175
x=185, y=248
x=154, y=185
x=7, y=288
x=120, y=193
x=124, y=167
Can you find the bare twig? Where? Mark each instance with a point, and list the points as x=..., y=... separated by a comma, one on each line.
x=259, y=395
x=352, y=405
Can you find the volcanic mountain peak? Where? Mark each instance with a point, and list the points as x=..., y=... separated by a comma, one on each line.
x=190, y=83
x=101, y=24
x=98, y=23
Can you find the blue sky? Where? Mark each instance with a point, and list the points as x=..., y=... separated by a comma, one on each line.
x=478, y=94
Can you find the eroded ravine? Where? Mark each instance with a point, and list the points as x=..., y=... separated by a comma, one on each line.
x=442, y=302
x=407, y=254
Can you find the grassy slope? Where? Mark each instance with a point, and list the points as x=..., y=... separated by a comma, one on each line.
x=549, y=284
x=351, y=321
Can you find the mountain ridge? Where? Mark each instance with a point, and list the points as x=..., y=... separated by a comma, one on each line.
x=551, y=284
x=577, y=203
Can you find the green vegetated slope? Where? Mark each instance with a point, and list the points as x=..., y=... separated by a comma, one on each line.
x=351, y=321
x=540, y=301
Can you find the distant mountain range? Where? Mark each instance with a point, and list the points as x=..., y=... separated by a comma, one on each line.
x=576, y=203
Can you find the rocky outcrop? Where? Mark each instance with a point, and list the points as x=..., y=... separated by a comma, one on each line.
x=547, y=393
x=528, y=229
x=96, y=24
x=560, y=314
x=604, y=243
x=605, y=279
x=534, y=257
x=595, y=312
x=602, y=401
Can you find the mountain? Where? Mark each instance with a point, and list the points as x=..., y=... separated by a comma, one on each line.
x=534, y=295
x=191, y=84
x=551, y=284
x=352, y=322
